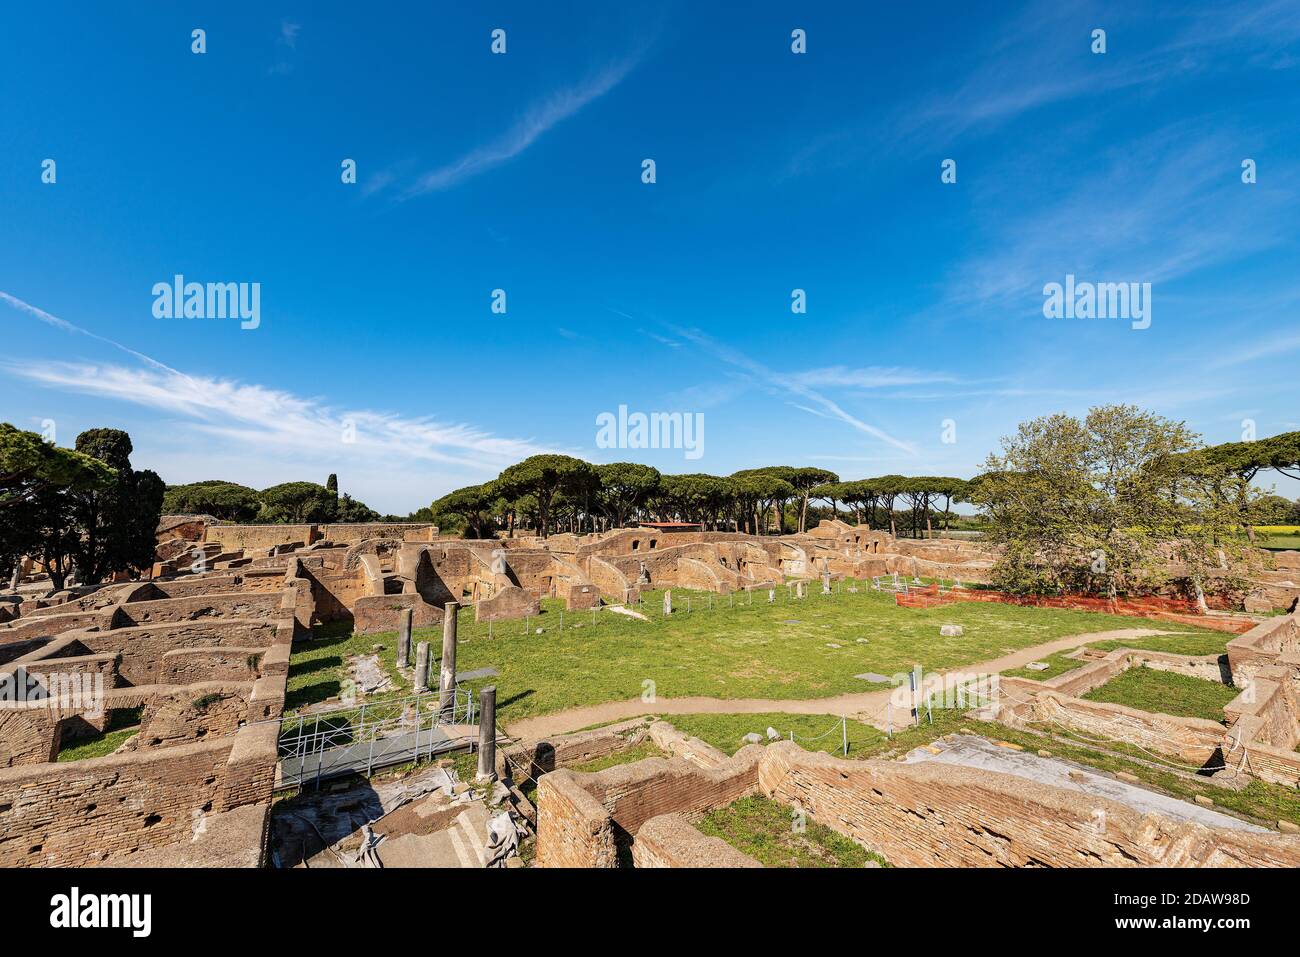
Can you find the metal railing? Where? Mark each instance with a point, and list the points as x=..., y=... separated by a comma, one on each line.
x=360, y=738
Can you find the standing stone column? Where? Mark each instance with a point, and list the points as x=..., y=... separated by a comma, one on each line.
x=404, y=618
x=668, y=602
x=826, y=583
x=487, y=734
x=447, y=676
x=422, y=667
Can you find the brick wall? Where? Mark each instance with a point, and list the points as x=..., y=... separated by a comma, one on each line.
x=582, y=817
x=927, y=815
x=670, y=840
x=184, y=666
x=84, y=812
x=191, y=608
x=205, y=747
x=573, y=828
x=1194, y=740
x=144, y=649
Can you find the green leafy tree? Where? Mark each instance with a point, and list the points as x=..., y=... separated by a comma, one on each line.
x=762, y=490
x=1103, y=504
x=695, y=497
x=117, y=524
x=352, y=511
x=888, y=488
x=1245, y=460
x=36, y=478
x=470, y=507
x=804, y=481
x=1271, y=510
x=546, y=476
x=297, y=503
x=227, y=501
x=332, y=483
x=624, y=488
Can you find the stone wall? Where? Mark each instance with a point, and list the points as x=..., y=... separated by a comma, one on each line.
x=670, y=840
x=1266, y=644
x=535, y=758
x=86, y=812
x=915, y=815
x=209, y=671
x=573, y=828
x=1193, y=740
x=583, y=818
x=189, y=665
x=254, y=537
x=925, y=815
x=144, y=649
x=226, y=605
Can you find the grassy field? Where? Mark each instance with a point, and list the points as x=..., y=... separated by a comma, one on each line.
x=1167, y=693
x=790, y=649
x=318, y=668
x=767, y=831
x=121, y=725
x=1200, y=642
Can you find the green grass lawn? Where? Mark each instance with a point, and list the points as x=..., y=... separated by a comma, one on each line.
x=318, y=668
x=1278, y=543
x=121, y=725
x=1201, y=642
x=1167, y=693
x=637, y=752
x=739, y=650
x=770, y=833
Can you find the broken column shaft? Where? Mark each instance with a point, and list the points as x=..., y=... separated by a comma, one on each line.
x=447, y=675
x=487, y=734
x=404, y=619
x=422, y=667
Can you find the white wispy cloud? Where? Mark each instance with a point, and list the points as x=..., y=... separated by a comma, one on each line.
x=289, y=33
x=277, y=420
x=870, y=377
x=65, y=326
x=1119, y=223
x=536, y=120
x=241, y=421
x=794, y=385
x=1040, y=55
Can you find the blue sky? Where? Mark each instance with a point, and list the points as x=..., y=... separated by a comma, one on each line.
x=522, y=172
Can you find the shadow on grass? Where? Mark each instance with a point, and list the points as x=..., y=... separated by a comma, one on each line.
x=312, y=694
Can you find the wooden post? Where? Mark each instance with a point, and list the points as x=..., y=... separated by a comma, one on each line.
x=487, y=734
x=447, y=675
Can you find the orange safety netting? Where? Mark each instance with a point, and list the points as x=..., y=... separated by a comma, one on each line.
x=1163, y=609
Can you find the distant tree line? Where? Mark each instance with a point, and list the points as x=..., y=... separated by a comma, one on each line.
x=556, y=493
x=84, y=508
x=289, y=503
